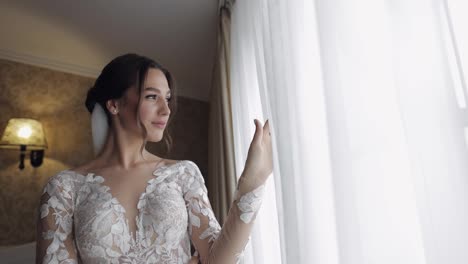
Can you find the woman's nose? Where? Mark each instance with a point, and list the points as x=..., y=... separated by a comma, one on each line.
x=165, y=108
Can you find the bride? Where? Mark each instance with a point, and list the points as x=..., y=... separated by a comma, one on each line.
x=130, y=206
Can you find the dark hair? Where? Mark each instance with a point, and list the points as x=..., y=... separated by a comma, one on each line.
x=122, y=73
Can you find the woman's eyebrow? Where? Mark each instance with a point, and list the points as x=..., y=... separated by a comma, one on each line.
x=157, y=90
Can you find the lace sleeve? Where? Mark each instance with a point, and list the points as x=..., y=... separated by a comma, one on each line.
x=213, y=243
x=54, y=239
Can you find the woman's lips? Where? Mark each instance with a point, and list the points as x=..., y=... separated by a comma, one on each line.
x=159, y=124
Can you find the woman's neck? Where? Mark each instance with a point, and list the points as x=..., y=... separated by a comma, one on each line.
x=123, y=151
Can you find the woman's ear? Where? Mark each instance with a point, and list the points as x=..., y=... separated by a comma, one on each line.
x=112, y=106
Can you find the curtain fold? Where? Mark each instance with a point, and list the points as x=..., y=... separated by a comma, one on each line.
x=221, y=180
x=370, y=157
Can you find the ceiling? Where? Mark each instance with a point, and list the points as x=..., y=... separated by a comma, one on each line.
x=81, y=37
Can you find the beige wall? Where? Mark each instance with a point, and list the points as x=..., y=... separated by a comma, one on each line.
x=57, y=100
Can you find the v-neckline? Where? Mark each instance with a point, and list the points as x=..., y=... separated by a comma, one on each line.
x=107, y=190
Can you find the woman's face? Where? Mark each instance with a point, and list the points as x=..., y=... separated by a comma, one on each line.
x=154, y=107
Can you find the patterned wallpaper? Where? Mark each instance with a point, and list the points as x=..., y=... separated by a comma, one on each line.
x=57, y=100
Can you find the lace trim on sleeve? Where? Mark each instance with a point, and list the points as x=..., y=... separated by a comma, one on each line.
x=250, y=203
x=202, y=218
x=198, y=203
x=58, y=211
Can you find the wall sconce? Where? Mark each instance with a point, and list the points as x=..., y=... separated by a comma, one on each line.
x=25, y=134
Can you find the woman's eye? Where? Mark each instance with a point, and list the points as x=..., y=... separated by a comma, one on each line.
x=152, y=95
x=168, y=99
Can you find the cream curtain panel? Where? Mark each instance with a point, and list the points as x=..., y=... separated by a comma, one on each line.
x=221, y=180
x=368, y=122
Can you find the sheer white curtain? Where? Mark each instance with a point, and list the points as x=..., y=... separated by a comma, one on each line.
x=371, y=164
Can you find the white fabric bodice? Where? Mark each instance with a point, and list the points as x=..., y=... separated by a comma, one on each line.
x=81, y=222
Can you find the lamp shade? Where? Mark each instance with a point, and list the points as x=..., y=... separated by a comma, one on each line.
x=23, y=131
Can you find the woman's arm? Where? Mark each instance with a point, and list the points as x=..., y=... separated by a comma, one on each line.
x=213, y=243
x=226, y=245
x=54, y=237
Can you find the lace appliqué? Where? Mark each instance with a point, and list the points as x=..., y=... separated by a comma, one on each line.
x=250, y=203
x=60, y=204
x=198, y=203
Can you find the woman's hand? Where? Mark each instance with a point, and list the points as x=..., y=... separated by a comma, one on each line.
x=259, y=163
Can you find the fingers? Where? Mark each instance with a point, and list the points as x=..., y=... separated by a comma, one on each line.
x=258, y=130
x=261, y=131
x=266, y=128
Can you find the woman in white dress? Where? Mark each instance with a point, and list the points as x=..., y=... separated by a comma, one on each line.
x=130, y=206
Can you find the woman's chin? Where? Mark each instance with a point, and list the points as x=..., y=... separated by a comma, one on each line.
x=155, y=138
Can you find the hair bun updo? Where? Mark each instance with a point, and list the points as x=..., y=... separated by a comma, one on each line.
x=91, y=99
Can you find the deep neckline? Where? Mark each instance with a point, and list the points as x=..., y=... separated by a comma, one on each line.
x=107, y=190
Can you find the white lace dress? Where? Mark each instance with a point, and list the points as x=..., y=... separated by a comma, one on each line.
x=81, y=222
